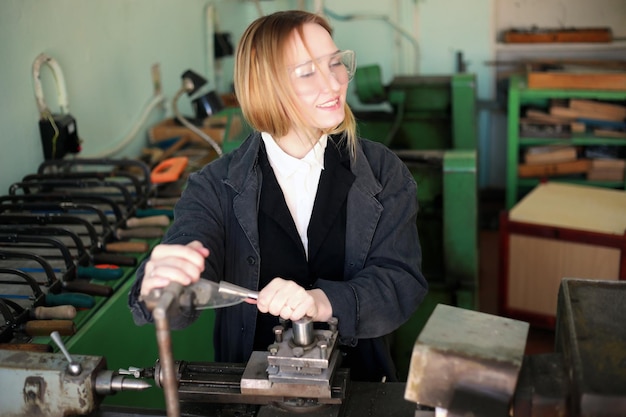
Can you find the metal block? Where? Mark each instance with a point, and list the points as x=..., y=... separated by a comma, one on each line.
x=465, y=354
x=39, y=384
x=542, y=389
x=590, y=333
x=311, y=359
x=255, y=380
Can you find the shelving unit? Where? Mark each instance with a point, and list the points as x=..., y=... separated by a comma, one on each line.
x=520, y=95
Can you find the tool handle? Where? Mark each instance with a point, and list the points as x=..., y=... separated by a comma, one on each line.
x=169, y=170
x=140, y=232
x=155, y=212
x=160, y=221
x=77, y=300
x=113, y=259
x=132, y=247
x=101, y=274
x=226, y=287
x=45, y=327
x=30, y=347
x=58, y=312
x=163, y=201
x=88, y=288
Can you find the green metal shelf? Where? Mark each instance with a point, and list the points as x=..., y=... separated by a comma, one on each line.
x=566, y=94
x=519, y=95
x=576, y=141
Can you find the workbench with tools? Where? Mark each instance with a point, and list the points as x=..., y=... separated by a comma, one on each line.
x=71, y=236
x=95, y=362
x=464, y=362
x=461, y=362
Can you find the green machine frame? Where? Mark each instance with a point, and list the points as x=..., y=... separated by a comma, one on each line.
x=432, y=128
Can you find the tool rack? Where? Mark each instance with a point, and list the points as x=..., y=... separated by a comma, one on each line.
x=71, y=236
x=521, y=95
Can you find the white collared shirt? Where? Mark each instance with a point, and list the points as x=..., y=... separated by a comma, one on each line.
x=298, y=179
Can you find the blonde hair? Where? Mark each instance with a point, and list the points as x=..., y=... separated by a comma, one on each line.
x=262, y=83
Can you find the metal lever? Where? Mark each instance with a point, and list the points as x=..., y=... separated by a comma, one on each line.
x=73, y=368
x=232, y=289
x=165, y=298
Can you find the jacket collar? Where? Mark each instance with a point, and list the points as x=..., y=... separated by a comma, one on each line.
x=244, y=160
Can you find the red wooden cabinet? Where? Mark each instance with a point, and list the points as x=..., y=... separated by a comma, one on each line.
x=558, y=231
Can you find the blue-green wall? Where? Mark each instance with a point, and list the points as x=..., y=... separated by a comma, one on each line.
x=106, y=50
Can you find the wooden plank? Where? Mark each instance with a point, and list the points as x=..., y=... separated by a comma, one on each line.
x=581, y=81
x=615, y=111
x=559, y=35
x=550, y=154
x=607, y=133
x=570, y=112
x=548, y=118
x=606, y=174
x=579, y=166
x=169, y=129
x=608, y=163
x=580, y=207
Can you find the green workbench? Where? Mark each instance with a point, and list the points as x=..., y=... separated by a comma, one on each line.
x=108, y=330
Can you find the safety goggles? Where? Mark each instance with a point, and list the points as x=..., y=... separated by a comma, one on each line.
x=307, y=77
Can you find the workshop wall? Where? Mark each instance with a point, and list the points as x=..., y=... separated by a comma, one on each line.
x=526, y=14
x=107, y=48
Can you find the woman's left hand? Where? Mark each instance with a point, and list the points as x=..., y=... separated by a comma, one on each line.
x=292, y=302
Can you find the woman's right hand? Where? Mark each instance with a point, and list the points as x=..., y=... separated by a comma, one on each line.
x=173, y=263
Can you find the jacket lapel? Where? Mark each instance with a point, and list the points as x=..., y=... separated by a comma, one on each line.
x=332, y=192
x=273, y=203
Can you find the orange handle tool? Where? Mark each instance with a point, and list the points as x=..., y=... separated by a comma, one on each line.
x=169, y=170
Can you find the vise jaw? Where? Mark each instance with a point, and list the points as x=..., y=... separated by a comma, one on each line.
x=300, y=363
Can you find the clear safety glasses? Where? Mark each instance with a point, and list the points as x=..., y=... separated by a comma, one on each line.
x=307, y=77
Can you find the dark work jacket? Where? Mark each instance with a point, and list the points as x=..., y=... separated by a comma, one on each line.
x=282, y=252
x=283, y=255
x=382, y=281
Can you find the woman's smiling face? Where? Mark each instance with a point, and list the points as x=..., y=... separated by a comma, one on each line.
x=320, y=95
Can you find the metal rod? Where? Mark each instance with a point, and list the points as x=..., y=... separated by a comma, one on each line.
x=164, y=342
x=232, y=289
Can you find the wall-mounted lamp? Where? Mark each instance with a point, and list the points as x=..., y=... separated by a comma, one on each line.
x=204, y=105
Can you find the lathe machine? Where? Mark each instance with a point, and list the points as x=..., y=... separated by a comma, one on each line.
x=464, y=363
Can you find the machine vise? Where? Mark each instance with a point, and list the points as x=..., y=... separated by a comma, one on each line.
x=48, y=384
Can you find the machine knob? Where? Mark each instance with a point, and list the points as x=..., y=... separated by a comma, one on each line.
x=303, y=331
x=73, y=368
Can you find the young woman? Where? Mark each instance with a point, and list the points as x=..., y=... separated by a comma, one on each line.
x=322, y=222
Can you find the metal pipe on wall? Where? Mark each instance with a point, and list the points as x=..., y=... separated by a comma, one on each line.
x=385, y=19
x=210, y=69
